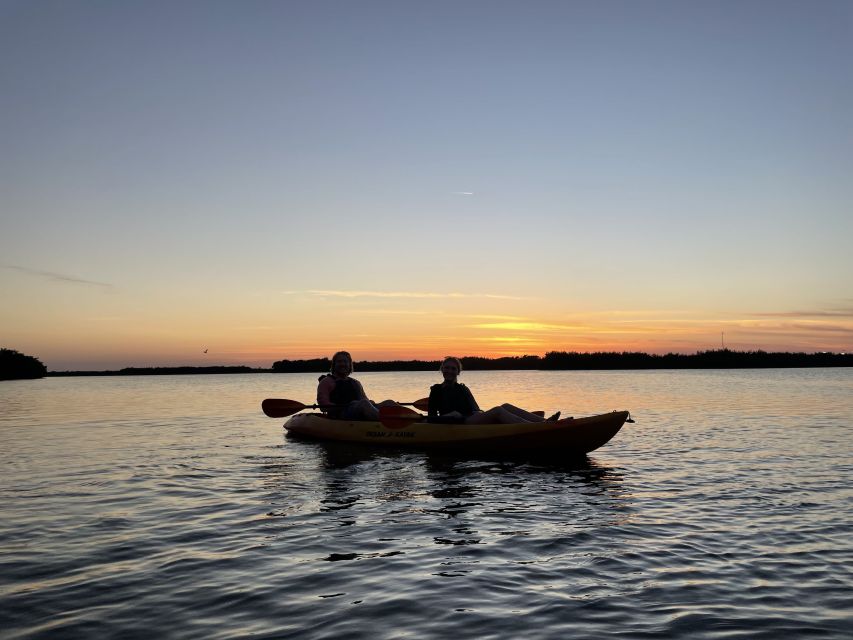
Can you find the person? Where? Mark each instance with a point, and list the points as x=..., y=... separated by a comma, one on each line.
x=452, y=402
x=342, y=397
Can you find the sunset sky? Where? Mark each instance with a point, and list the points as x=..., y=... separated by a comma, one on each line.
x=409, y=179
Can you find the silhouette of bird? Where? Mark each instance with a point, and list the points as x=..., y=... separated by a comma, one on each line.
x=205, y=350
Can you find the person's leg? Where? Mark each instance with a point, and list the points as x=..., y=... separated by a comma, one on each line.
x=530, y=417
x=361, y=410
x=501, y=415
x=368, y=410
x=495, y=415
x=521, y=413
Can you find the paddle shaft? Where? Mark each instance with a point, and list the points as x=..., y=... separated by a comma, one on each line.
x=280, y=408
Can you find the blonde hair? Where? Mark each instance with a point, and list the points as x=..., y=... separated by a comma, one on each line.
x=454, y=360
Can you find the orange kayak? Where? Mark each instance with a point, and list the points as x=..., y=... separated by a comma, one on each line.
x=568, y=436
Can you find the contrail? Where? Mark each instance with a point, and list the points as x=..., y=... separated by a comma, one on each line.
x=56, y=276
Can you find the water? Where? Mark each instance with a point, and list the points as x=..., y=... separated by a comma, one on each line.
x=140, y=507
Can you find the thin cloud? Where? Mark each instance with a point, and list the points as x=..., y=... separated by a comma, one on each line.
x=327, y=293
x=784, y=328
x=257, y=327
x=482, y=316
x=398, y=312
x=526, y=326
x=835, y=313
x=58, y=277
x=463, y=193
x=510, y=339
x=828, y=328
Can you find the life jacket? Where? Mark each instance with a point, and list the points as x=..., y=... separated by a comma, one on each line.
x=345, y=391
x=455, y=397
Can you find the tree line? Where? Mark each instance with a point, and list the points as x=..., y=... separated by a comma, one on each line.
x=575, y=360
x=15, y=365
x=162, y=371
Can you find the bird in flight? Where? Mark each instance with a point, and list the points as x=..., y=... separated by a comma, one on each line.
x=205, y=350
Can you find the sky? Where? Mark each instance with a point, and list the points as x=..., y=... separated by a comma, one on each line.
x=206, y=182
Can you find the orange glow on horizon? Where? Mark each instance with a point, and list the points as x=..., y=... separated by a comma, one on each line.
x=422, y=330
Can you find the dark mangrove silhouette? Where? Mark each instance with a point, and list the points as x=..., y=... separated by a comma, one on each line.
x=162, y=371
x=562, y=360
x=551, y=361
x=17, y=366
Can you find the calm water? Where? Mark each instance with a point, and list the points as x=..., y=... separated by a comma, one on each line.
x=171, y=507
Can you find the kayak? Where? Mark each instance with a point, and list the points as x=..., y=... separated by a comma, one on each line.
x=575, y=436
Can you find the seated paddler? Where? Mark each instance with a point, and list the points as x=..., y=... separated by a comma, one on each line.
x=342, y=397
x=452, y=402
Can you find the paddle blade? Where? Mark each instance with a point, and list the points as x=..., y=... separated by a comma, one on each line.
x=278, y=408
x=422, y=404
x=397, y=417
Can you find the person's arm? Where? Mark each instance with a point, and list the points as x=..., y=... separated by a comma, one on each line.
x=434, y=400
x=362, y=394
x=324, y=391
x=471, y=402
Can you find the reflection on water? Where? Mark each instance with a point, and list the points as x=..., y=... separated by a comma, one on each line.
x=440, y=517
x=462, y=500
x=156, y=507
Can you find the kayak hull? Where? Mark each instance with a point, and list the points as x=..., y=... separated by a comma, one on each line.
x=575, y=436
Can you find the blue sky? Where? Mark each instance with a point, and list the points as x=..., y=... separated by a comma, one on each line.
x=181, y=176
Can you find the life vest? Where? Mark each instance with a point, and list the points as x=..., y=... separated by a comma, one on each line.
x=346, y=390
x=455, y=397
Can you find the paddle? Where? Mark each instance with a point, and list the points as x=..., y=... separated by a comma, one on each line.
x=280, y=408
x=399, y=417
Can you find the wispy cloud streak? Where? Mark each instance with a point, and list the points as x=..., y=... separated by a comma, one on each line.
x=833, y=313
x=399, y=294
x=57, y=277
x=526, y=326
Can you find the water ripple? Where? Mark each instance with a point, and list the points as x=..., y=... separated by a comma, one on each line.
x=723, y=513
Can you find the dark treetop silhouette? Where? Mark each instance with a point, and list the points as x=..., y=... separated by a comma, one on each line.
x=17, y=366
x=553, y=360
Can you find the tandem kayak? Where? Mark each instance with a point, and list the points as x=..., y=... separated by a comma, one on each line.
x=575, y=436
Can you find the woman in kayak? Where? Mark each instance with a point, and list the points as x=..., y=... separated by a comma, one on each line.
x=451, y=401
x=342, y=397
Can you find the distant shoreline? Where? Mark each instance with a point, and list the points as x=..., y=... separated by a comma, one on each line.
x=552, y=361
